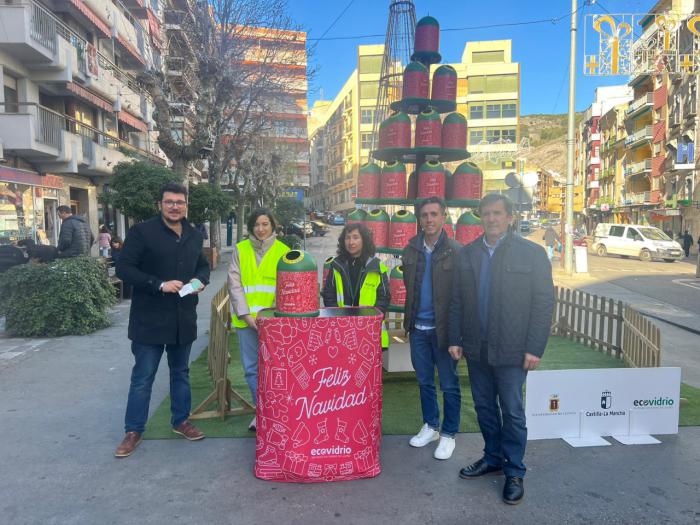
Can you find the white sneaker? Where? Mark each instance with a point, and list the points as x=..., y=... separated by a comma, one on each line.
x=445, y=448
x=252, y=424
x=425, y=436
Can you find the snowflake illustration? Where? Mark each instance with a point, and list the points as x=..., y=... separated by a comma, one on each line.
x=313, y=359
x=352, y=359
x=289, y=398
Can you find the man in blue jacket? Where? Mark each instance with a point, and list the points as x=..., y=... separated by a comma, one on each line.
x=160, y=257
x=500, y=318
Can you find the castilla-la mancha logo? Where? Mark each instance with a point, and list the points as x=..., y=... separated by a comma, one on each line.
x=605, y=399
x=554, y=403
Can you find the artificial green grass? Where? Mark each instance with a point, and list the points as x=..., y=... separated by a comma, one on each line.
x=401, y=412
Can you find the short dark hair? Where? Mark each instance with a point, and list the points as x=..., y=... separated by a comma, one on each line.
x=368, y=248
x=64, y=209
x=493, y=198
x=173, y=187
x=431, y=200
x=256, y=214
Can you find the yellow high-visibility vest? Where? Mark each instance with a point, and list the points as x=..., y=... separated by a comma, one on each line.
x=368, y=294
x=259, y=282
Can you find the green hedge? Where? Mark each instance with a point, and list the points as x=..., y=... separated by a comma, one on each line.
x=66, y=297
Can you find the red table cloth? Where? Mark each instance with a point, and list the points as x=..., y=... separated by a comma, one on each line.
x=319, y=396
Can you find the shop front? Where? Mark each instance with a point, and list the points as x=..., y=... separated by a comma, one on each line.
x=28, y=203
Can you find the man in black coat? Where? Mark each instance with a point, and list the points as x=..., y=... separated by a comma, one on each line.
x=161, y=256
x=75, y=237
x=500, y=318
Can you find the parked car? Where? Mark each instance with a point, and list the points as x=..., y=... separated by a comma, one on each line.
x=635, y=240
x=319, y=228
x=337, y=220
x=525, y=227
x=300, y=229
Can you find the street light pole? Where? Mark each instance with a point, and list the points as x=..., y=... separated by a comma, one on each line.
x=569, y=203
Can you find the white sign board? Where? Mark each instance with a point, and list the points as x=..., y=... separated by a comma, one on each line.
x=602, y=402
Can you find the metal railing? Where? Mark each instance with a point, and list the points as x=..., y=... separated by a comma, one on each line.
x=638, y=198
x=637, y=167
x=43, y=27
x=49, y=126
x=645, y=133
x=640, y=102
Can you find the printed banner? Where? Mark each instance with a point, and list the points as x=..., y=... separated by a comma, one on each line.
x=602, y=402
x=319, y=396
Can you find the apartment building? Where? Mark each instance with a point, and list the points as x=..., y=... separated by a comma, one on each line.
x=488, y=95
x=340, y=134
x=70, y=108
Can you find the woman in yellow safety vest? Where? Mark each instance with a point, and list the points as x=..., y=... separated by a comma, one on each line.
x=358, y=277
x=252, y=279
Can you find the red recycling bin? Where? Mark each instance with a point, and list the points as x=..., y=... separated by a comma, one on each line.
x=319, y=396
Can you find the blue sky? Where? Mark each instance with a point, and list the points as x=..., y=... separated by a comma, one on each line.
x=542, y=49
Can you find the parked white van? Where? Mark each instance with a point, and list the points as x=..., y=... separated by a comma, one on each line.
x=635, y=240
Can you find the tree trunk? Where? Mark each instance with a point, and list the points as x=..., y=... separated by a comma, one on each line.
x=240, y=218
x=215, y=234
x=180, y=167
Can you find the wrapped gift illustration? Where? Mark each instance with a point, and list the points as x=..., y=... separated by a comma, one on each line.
x=294, y=462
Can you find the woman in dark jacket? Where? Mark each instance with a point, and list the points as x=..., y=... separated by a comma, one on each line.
x=358, y=277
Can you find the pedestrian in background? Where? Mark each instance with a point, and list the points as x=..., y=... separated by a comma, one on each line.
x=160, y=257
x=75, y=237
x=687, y=242
x=500, y=319
x=116, y=246
x=103, y=240
x=551, y=240
x=252, y=279
x=429, y=263
x=358, y=277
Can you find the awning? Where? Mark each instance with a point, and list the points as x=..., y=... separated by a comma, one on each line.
x=132, y=121
x=90, y=97
x=154, y=28
x=97, y=22
x=131, y=49
x=31, y=178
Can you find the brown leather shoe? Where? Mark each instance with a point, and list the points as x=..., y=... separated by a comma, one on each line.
x=189, y=431
x=128, y=445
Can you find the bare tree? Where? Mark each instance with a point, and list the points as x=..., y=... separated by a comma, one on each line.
x=248, y=57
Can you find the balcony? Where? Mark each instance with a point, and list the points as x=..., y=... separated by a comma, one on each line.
x=640, y=137
x=643, y=197
x=28, y=32
x=639, y=106
x=638, y=168
x=31, y=130
x=593, y=160
x=593, y=137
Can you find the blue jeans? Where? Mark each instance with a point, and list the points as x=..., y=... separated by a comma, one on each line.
x=142, y=376
x=498, y=401
x=425, y=357
x=248, y=344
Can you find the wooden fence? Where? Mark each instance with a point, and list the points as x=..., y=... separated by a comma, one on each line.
x=218, y=361
x=607, y=325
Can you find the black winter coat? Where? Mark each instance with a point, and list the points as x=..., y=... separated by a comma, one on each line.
x=152, y=254
x=521, y=301
x=75, y=238
x=352, y=295
x=443, y=264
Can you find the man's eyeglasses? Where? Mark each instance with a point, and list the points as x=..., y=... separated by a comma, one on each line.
x=173, y=204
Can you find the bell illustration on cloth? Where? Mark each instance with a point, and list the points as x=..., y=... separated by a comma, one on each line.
x=359, y=433
x=301, y=435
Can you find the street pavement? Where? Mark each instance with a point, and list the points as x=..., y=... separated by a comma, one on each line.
x=62, y=402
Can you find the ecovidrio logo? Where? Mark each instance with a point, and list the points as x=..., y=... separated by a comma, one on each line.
x=655, y=402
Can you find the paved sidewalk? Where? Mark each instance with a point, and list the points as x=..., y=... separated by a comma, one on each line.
x=62, y=404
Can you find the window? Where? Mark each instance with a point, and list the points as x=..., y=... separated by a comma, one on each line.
x=476, y=136
x=366, y=140
x=371, y=64
x=476, y=111
x=508, y=111
x=501, y=83
x=493, y=111
x=369, y=89
x=479, y=57
x=476, y=84
x=616, y=231
x=633, y=234
x=367, y=116
x=11, y=100
x=462, y=87
x=508, y=135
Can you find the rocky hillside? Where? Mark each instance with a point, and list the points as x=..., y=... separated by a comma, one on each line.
x=547, y=135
